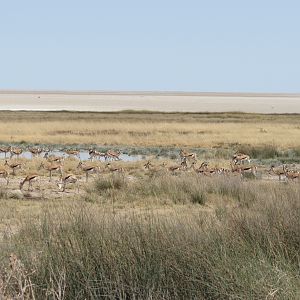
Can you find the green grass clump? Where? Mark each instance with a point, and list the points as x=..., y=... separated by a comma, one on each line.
x=252, y=253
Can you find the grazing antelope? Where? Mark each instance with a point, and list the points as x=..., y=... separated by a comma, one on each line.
x=5, y=150
x=88, y=170
x=72, y=152
x=64, y=180
x=35, y=151
x=29, y=179
x=96, y=154
x=13, y=166
x=51, y=168
x=113, y=169
x=113, y=155
x=53, y=158
x=4, y=174
x=184, y=154
x=277, y=172
x=240, y=158
x=15, y=151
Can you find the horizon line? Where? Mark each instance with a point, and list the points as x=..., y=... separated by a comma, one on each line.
x=148, y=92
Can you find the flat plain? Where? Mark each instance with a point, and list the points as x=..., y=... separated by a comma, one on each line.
x=150, y=101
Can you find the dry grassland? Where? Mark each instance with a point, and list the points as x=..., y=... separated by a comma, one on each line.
x=150, y=129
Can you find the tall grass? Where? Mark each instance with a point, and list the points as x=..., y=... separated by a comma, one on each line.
x=247, y=251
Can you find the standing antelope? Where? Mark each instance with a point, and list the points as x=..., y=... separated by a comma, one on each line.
x=279, y=173
x=114, y=155
x=29, y=179
x=53, y=158
x=96, y=154
x=184, y=154
x=5, y=150
x=4, y=174
x=35, y=151
x=71, y=152
x=51, y=168
x=15, y=151
x=244, y=169
x=88, y=170
x=70, y=178
x=240, y=158
x=14, y=166
x=292, y=175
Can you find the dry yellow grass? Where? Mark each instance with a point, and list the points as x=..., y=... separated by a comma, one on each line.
x=180, y=130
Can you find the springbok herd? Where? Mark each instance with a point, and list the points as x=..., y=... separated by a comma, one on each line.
x=240, y=165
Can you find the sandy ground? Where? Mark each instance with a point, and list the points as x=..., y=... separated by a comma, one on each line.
x=167, y=102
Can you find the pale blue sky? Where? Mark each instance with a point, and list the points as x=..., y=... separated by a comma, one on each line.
x=212, y=45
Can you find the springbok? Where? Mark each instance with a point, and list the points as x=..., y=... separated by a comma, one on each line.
x=240, y=158
x=113, y=155
x=64, y=180
x=72, y=152
x=114, y=169
x=53, y=158
x=88, y=170
x=14, y=166
x=15, y=151
x=29, y=179
x=184, y=154
x=278, y=172
x=35, y=151
x=51, y=168
x=244, y=169
x=5, y=150
x=4, y=174
x=96, y=154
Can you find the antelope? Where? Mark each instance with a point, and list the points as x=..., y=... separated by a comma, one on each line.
x=184, y=163
x=50, y=168
x=244, y=169
x=71, y=152
x=292, y=175
x=5, y=150
x=70, y=178
x=240, y=158
x=112, y=169
x=15, y=151
x=148, y=165
x=95, y=154
x=173, y=168
x=13, y=166
x=208, y=171
x=35, y=151
x=184, y=154
x=4, y=174
x=114, y=155
x=87, y=169
x=279, y=173
x=29, y=179
x=53, y=158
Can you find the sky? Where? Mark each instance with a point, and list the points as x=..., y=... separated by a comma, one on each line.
x=157, y=45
